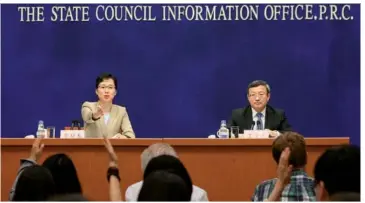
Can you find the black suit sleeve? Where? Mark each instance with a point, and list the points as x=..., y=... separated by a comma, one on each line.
x=231, y=121
x=284, y=124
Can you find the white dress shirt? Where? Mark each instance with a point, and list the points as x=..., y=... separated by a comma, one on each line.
x=106, y=118
x=132, y=192
x=255, y=118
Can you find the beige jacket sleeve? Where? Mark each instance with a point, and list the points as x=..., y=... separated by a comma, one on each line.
x=87, y=112
x=126, y=127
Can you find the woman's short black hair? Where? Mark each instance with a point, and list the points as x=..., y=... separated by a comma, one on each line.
x=105, y=76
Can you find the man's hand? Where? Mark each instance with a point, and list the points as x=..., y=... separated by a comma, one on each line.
x=112, y=156
x=284, y=169
x=37, y=149
x=273, y=133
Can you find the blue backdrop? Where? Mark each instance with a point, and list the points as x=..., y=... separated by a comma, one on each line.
x=179, y=79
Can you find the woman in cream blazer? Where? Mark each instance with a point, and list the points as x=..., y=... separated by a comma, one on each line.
x=103, y=118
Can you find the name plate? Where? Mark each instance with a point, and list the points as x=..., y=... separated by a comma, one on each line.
x=255, y=134
x=67, y=134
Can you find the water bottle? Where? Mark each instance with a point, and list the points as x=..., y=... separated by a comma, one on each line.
x=223, y=131
x=41, y=130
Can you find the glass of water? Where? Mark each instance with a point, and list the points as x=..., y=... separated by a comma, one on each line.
x=51, y=132
x=235, y=130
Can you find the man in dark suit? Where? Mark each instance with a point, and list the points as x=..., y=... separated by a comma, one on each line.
x=258, y=115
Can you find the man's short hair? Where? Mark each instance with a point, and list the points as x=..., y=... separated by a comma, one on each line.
x=339, y=169
x=346, y=197
x=257, y=83
x=156, y=150
x=296, y=143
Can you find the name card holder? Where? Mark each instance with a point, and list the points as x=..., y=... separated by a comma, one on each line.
x=255, y=134
x=70, y=134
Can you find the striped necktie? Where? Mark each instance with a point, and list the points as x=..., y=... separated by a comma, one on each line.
x=259, y=121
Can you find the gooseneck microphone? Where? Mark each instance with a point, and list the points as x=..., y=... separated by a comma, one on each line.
x=259, y=125
x=252, y=125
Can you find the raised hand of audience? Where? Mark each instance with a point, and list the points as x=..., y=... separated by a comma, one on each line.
x=37, y=149
x=113, y=162
x=113, y=172
x=284, y=173
x=284, y=169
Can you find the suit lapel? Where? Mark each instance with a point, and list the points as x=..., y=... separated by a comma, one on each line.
x=100, y=122
x=247, y=115
x=268, y=118
x=112, y=116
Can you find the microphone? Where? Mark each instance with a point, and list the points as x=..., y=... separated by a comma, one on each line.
x=76, y=125
x=259, y=125
x=252, y=125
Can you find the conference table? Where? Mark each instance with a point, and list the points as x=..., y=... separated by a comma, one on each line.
x=228, y=169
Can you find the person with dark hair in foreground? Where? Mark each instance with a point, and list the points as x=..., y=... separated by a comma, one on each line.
x=35, y=183
x=64, y=174
x=162, y=185
x=152, y=151
x=337, y=172
x=60, y=166
x=346, y=197
x=68, y=198
x=103, y=118
x=35, y=154
x=299, y=186
x=170, y=164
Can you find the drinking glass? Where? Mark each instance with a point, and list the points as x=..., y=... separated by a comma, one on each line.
x=51, y=131
x=235, y=130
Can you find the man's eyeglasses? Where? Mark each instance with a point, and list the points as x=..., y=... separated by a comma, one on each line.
x=257, y=95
